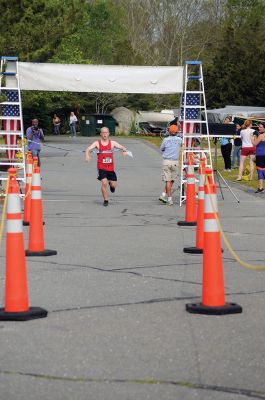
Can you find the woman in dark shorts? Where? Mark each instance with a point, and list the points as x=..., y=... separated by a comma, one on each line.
x=259, y=142
x=247, y=149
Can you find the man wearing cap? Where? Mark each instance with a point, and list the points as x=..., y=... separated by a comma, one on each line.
x=35, y=135
x=170, y=148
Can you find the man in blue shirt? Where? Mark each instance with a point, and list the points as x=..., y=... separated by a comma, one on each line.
x=35, y=135
x=170, y=148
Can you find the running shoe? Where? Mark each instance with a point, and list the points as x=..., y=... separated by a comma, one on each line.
x=106, y=203
x=259, y=191
x=112, y=189
x=163, y=198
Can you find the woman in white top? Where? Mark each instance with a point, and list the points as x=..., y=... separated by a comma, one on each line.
x=72, y=123
x=247, y=149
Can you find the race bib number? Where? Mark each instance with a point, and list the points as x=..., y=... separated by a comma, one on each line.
x=107, y=160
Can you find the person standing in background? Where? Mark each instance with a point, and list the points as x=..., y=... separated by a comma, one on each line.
x=72, y=123
x=247, y=149
x=35, y=135
x=170, y=148
x=226, y=147
x=56, y=124
x=258, y=140
x=237, y=147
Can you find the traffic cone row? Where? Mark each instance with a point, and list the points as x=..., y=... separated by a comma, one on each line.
x=213, y=297
x=208, y=242
x=16, y=306
x=198, y=249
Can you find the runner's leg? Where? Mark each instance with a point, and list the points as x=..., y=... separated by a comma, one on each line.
x=104, y=188
x=241, y=166
x=113, y=184
x=169, y=185
x=252, y=166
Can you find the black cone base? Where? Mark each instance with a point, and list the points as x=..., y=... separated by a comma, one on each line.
x=32, y=313
x=228, y=308
x=184, y=223
x=26, y=223
x=193, y=250
x=43, y=253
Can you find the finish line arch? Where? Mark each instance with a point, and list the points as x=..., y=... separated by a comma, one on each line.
x=100, y=78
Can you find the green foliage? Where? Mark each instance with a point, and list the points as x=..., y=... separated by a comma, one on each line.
x=31, y=29
x=237, y=73
x=98, y=37
x=133, y=128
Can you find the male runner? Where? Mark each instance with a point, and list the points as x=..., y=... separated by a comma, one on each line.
x=106, y=173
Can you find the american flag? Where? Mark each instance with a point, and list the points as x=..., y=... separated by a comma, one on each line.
x=191, y=100
x=191, y=113
x=11, y=125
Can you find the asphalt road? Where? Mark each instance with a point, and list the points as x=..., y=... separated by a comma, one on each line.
x=117, y=328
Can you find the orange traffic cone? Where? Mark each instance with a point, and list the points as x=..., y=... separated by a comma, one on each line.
x=36, y=234
x=16, y=288
x=199, y=228
x=190, y=215
x=28, y=189
x=213, y=297
x=209, y=174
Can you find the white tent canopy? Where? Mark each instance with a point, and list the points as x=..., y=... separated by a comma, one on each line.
x=154, y=118
x=100, y=78
x=218, y=114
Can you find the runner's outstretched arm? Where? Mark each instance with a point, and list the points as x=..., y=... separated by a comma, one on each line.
x=90, y=148
x=119, y=146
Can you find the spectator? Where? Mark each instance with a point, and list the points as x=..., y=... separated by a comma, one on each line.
x=247, y=149
x=170, y=148
x=56, y=124
x=258, y=140
x=237, y=147
x=35, y=135
x=72, y=123
x=226, y=147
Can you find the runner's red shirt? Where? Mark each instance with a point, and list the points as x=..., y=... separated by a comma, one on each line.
x=105, y=160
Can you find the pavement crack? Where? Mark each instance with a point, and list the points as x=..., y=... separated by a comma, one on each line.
x=158, y=277
x=150, y=301
x=129, y=272
x=253, y=394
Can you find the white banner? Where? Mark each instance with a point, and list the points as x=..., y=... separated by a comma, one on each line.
x=100, y=78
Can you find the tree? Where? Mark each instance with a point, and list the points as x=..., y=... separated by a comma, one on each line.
x=237, y=73
x=166, y=32
x=33, y=29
